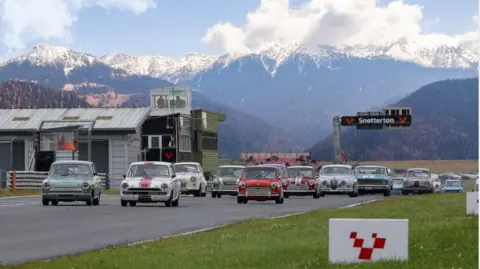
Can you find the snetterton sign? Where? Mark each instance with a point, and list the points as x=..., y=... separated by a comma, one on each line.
x=376, y=122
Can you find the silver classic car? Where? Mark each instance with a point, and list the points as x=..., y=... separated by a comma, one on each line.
x=418, y=180
x=338, y=179
x=226, y=179
x=70, y=181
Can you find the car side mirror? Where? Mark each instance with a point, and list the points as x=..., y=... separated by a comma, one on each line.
x=174, y=176
x=124, y=176
x=95, y=174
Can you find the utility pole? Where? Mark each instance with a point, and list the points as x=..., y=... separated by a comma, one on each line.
x=336, y=139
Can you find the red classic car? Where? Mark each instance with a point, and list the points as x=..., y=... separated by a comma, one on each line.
x=260, y=183
x=301, y=181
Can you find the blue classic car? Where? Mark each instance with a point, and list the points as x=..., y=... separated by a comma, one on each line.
x=373, y=179
x=453, y=185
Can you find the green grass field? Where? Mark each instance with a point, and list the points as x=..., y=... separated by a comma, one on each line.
x=441, y=236
x=9, y=193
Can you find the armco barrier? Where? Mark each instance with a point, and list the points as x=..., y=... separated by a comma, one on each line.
x=31, y=180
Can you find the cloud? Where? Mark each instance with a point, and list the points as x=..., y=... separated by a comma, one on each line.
x=330, y=22
x=25, y=21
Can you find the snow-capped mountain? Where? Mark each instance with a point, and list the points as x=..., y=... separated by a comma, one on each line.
x=280, y=83
x=273, y=55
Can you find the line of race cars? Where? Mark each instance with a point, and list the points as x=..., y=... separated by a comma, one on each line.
x=163, y=182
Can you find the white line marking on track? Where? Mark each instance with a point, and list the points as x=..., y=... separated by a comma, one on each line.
x=10, y=205
x=359, y=204
x=18, y=197
x=288, y=215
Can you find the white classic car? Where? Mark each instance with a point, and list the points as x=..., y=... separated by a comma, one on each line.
x=191, y=178
x=301, y=181
x=418, y=180
x=226, y=179
x=338, y=179
x=150, y=182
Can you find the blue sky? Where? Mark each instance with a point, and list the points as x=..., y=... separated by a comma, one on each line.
x=176, y=27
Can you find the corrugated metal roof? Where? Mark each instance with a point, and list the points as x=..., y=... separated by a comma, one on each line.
x=106, y=118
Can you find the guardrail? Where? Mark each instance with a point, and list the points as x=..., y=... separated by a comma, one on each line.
x=32, y=180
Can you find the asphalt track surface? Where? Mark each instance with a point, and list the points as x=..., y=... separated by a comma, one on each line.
x=30, y=231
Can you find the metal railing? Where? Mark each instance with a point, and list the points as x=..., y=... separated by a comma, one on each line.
x=31, y=180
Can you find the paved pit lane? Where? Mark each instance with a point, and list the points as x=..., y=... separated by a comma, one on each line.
x=30, y=231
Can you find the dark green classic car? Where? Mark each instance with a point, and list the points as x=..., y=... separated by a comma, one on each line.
x=70, y=181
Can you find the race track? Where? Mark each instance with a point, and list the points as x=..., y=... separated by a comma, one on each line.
x=30, y=231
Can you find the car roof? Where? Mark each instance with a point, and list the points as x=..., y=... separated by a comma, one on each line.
x=452, y=180
x=300, y=166
x=195, y=163
x=371, y=166
x=154, y=163
x=261, y=166
x=231, y=166
x=418, y=169
x=337, y=165
x=272, y=165
x=72, y=162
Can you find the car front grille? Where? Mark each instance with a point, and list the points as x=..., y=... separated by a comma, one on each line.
x=258, y=191
x=371, y=181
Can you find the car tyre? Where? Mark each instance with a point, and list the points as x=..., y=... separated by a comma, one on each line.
x=123, y=203
x=354, y=193
x=279, y=200
x=219, y=195
x=198, y=192
x=214, y=194
x=204, y=193
x=387, y=192
x=169, y=202
x=89, y=202
x=45, y=202
x=286, y=195
x=322, y=194
x=55, y=202
x=132, y=203
x=316, y=195
x=239, y=200
x=176, y=202
x=96, y=201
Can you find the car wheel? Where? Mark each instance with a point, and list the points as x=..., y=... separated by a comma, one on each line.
x=316, y=195
x=176, y=202
x=132, y=203
x=96, y=201
x=286, y=195
x=198, y=192
x=214, y=194
x=54, y=202
x=278, y=200
x=123, y=203
x=89, y=202
x=245, y=201
x=404, y=193
x=386, y=193
x=45, y=202
x=204, y=192
x=169, y=202
x=239, y=200
x=219, y=195
x=322, y=194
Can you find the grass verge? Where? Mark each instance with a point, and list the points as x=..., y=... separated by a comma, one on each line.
x=441, y=236
x=9, y=193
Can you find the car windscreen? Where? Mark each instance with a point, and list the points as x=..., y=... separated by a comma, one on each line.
x=263, y=173
x=336, y=171
x=371, y=171
x=186, y=168
x=148, y=170
x=235, y=172
x=69, y=170
x=418, y=173
x=300, y=172
x=453, y=183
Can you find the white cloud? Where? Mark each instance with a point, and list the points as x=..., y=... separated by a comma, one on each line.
x=331, y=22
x=25, y=21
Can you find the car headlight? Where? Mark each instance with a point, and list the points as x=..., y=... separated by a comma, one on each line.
x=311, y=182
x=85, y=185
x=242, y=185
x=274, y=185
x=427, y=183
x=124, y=185
x=343, y=182
x=193, y=179
x=405, y=183
x=324, y=182
x=46, y=185
x=164, y=186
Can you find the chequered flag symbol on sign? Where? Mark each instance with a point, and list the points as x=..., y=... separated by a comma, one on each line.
x=366, y=253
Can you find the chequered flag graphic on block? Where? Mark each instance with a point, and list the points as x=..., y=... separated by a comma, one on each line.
x=366, y=253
